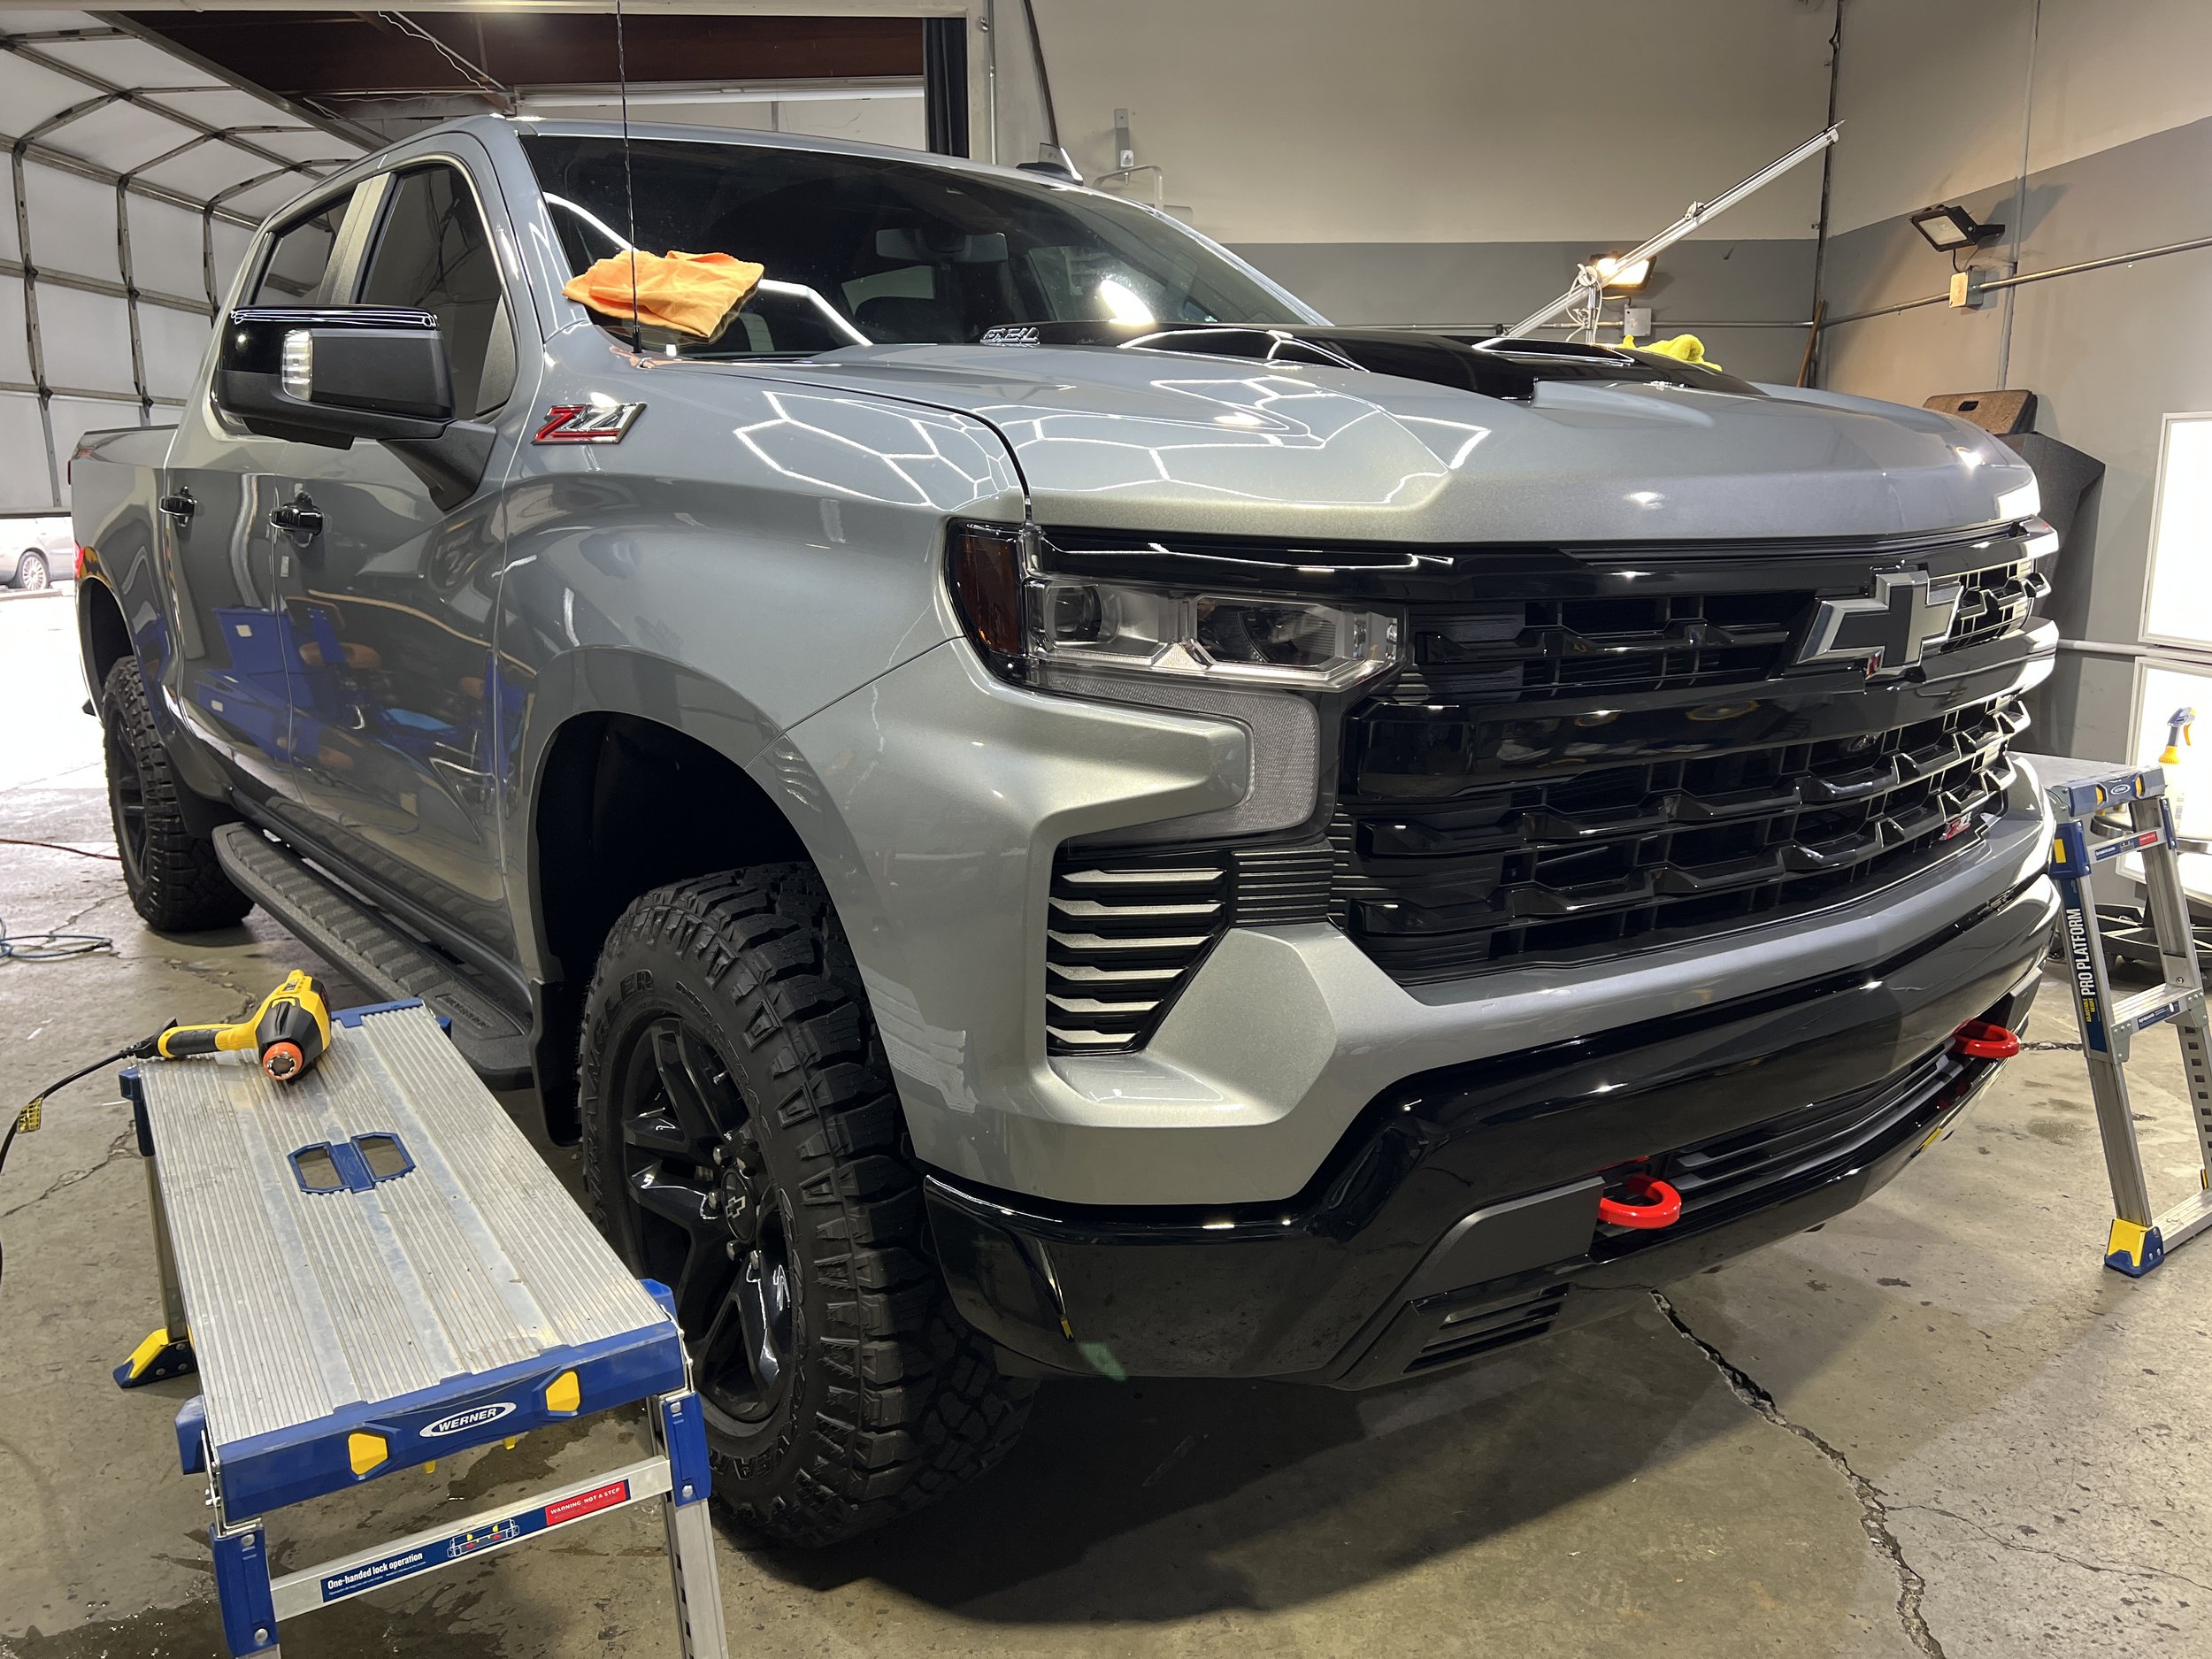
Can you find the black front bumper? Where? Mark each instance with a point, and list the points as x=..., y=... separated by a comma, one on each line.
x=1460, y=1213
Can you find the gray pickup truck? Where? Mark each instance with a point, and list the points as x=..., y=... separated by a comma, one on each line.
x=1040, y=811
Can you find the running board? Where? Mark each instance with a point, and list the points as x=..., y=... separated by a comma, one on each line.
x=495, y=1041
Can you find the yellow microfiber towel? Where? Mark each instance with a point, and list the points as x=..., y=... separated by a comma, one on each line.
x=689, y=293
x=1683, y=348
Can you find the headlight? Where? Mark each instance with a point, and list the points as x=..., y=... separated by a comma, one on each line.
x=1032, y=626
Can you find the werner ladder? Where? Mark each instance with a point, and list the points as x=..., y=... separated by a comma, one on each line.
x=2104, y=811
x=371, y=1269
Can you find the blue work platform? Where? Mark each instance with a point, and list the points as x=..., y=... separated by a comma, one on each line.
x=371, y=1269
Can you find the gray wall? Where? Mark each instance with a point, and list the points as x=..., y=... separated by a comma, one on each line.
x=2107, y=352
x=1451, y=160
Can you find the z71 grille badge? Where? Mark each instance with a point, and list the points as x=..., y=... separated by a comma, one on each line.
x=588, y=423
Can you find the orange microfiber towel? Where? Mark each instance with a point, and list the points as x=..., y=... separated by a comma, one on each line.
x=690, y=293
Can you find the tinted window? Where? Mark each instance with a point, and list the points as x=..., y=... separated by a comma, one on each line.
x=864, y=249
x=432, y=254
x=300, y=258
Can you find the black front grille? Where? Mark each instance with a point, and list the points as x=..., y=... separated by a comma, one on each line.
x=1630, y=644
x=1125, y=932
x=1593, y=750
x=1994, y=603
x=1551, y=869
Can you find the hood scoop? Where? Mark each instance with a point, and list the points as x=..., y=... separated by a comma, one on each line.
x=1487, y=366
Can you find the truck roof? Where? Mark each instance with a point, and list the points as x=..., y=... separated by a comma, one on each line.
x=524, y=125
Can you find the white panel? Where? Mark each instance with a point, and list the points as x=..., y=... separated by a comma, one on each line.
x=172, y=343
x=8, y=249
x=15, y=348
x=120, y=137
x=23, y=484
x=231, y=243
x=271, y=194
x=2178, y=608
x=205, y=169
x=227, y=106
x=165, y=249
x=128, y=61
x=31, y=94
x=73, y=417
x=31, y=22
x=72, y=223
x=307, y=143
x=86, y=339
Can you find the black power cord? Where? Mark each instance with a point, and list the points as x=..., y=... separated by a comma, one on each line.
x=27, y=1121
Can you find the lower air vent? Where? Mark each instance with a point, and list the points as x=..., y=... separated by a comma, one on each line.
x=1460, y=1331
x=1125, y=933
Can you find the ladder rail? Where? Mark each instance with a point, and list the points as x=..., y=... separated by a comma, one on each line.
x=2086, y=800
x=2166, y=907
x=498, y=1527
x=2101, y=1042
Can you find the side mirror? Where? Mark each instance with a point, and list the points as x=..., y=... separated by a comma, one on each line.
x=329, y=375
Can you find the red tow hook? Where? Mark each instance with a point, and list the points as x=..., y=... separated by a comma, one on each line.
x=1981, y=1039
x=1651, y=1203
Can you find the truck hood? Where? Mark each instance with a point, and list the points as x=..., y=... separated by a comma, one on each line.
x=1114, y=438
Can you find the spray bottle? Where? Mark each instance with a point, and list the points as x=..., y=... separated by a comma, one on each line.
x=2178, y=735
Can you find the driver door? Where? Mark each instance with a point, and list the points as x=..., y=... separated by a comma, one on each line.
x=393, y=681
x=231, y=653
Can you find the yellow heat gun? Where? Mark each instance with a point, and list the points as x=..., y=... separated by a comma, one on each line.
x=288, y=1032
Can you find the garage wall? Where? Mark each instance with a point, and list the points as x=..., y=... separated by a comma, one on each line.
x=128, y=189
x=1409, y=160
x=2112, y=111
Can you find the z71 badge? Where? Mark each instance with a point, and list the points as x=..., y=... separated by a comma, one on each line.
x=588, y=423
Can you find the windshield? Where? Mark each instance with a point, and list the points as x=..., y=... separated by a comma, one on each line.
x=866, y=249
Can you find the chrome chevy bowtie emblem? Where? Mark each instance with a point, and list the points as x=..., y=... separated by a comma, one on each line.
x=1892, y=628
x=588, y=423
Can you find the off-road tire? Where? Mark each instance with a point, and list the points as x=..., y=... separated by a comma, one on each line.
x=175, y=881
x=889, y=1400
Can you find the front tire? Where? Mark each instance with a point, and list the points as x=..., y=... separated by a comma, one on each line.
x=743, y=1144
x=32, y=574
x=176, y=882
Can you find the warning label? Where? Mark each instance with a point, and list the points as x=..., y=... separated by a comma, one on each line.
x=587, y=1503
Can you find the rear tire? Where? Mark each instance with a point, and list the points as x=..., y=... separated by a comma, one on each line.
x=743, y=1144
x=32, y=574
x=175, y=881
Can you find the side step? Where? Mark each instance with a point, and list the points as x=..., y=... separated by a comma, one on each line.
x=495, y=1041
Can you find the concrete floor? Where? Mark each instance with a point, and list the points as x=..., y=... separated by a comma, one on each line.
x=1938, y=1426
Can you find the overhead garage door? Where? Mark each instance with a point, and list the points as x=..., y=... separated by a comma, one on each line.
x=135, y=179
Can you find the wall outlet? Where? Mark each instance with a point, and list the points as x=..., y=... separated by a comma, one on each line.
x=1968, y=286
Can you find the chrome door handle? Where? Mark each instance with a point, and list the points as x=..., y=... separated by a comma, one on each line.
x=297, y=516
x=178, y=506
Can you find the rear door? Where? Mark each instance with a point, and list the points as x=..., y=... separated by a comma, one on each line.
x=230, y=665
x=394, y=683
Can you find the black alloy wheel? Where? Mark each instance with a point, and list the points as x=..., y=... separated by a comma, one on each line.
x=743, y=1144
x=175, y=881
x=126, y=803
x=714, y=1226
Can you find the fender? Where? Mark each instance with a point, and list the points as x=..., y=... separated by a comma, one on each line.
x=602, y=680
